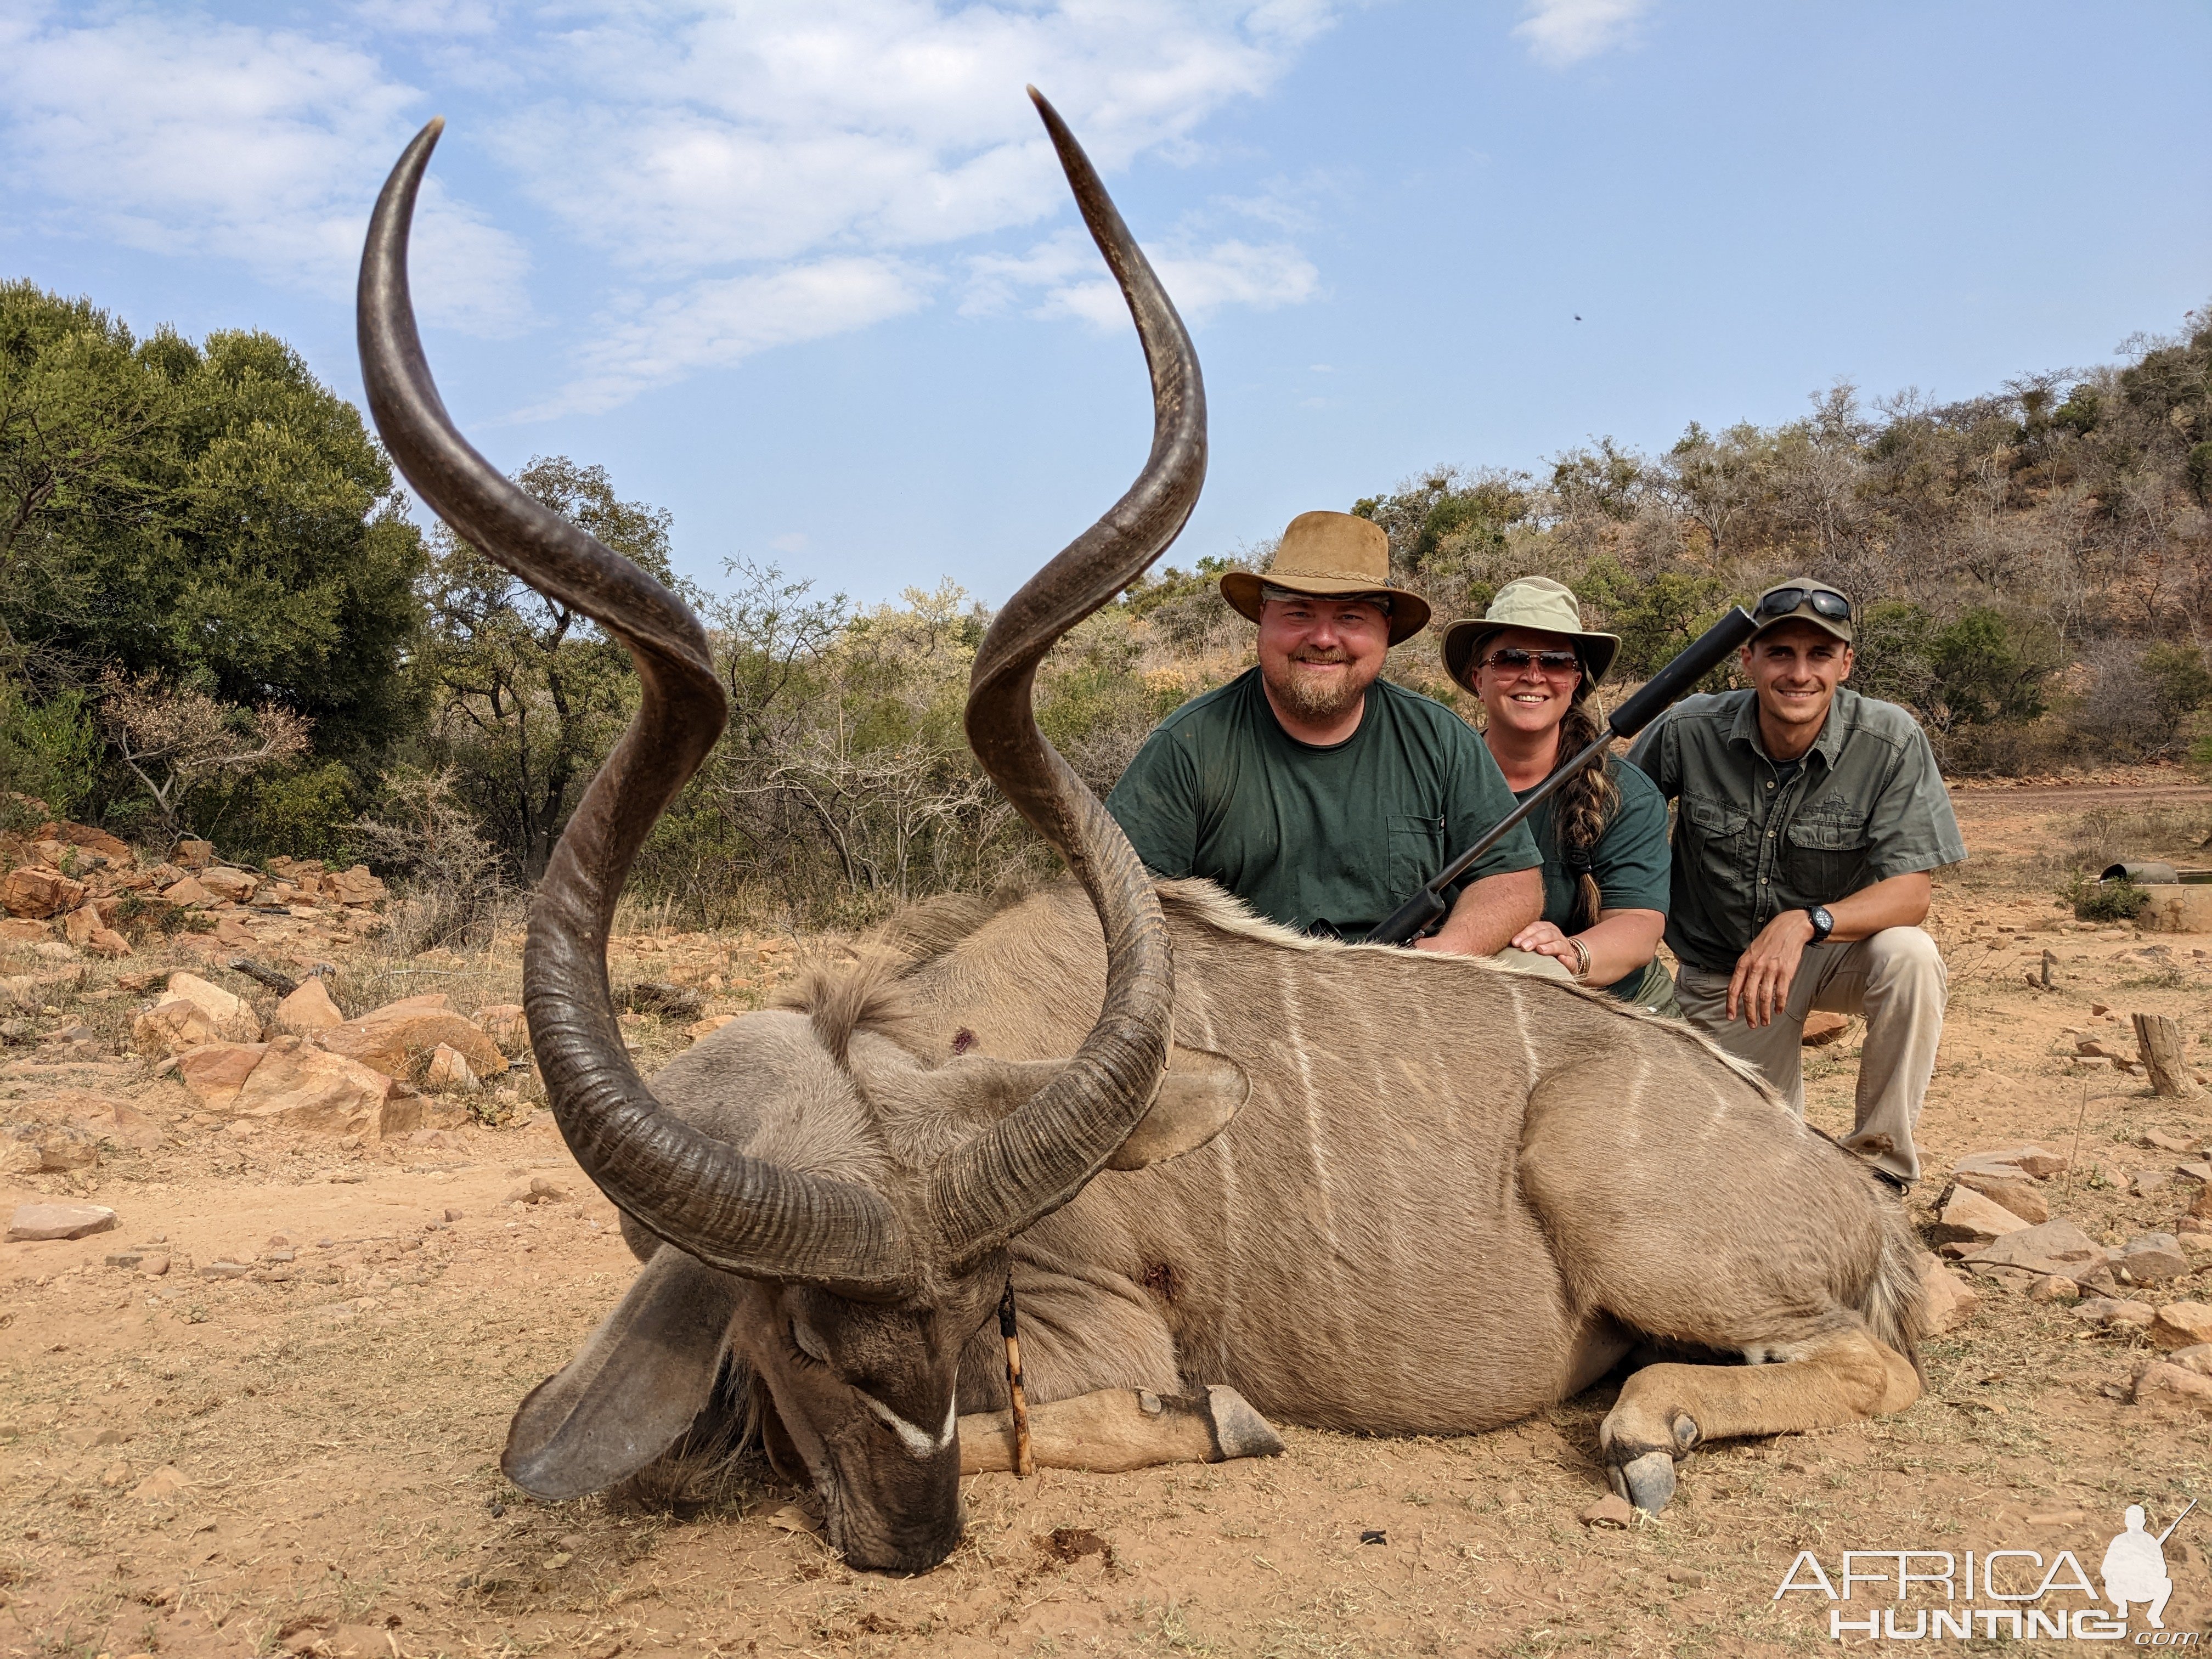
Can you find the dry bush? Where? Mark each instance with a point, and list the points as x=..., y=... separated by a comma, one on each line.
x=452, y=890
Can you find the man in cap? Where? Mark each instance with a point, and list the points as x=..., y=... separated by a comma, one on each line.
x=1316, y=791
x=1809, y=819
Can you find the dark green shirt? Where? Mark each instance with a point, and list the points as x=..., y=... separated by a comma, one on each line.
x=1629, y=861
x=1867, y=804
x=1317, y=839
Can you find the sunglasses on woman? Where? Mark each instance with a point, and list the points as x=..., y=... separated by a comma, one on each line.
x=1783, y=600
x=1513, y=658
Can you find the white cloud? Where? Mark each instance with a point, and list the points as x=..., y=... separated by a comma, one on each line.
x=1561, y=33
x=719, y=321
x=759, y=172
x=187, y=135
x=1061, y=276
x=768, y=129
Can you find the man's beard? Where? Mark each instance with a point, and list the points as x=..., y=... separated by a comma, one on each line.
x=1318, y=696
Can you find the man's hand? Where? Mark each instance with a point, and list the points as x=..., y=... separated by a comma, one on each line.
x=1765, y=973
x=1488, y=913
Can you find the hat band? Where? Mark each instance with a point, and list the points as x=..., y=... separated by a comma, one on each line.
x=1382, y=601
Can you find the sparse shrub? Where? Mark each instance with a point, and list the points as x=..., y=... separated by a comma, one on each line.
x=449, y=875
x=2117, y=900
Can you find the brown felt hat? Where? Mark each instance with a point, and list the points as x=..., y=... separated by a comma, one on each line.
x=1330, y=555
x=1536, y=603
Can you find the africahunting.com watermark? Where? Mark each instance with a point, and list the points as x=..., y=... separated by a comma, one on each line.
x=1918, y=1596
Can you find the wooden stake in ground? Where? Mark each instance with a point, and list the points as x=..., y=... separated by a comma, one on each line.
x=1017, y=1397
x=2158, y=1040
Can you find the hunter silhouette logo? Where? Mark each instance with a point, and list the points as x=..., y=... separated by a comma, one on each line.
x=1912, y=1595
x=2134, y=1568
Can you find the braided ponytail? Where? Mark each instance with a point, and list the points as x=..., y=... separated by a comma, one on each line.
x=1583, y=807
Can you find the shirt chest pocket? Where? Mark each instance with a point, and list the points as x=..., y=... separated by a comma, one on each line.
x=1416, y=851
x=1826, y=852
x=1713, y=821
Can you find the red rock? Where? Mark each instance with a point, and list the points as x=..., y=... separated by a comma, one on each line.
x=104, y=1119
x=2173, y=1392
x=78, y=925
x=539, y=1190
x=1966, y=1216
x=46, y=1149
x=398, y=1037
x=229, y=930
x=1610, y=1510
x=2109, y=1312
x=1823, y=1029
x=2054, y=1287
x=23, y=930
x=2020, y=1195
x=505, y=1024
x=2182, y=1325
x=106, y=942
x=303, y=1088
x=38, y=1221
x=708, y=1026
x=1948, y=1300
x=235, y=885
x=308, y=1010
x=195, y=1012
x=2058, y=1247
x=2153, y=1259
x=216, y=1071
x=2032, y=1161
x=187, y=892
x=91, y=840
x=353, y=887
x=448, y=1071
x=32, y=891
x=194, y=854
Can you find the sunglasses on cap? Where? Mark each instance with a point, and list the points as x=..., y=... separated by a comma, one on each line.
x=1826, y=602
x=1512, y=659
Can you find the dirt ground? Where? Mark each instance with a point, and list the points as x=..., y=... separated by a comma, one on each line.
x=334, y=1422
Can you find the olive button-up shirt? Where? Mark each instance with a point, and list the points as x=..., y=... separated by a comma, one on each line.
x=1867, y=803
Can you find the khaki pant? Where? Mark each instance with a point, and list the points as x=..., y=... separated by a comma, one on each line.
x=1896, y=980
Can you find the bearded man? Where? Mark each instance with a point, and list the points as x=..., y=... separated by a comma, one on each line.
x=1316, y=791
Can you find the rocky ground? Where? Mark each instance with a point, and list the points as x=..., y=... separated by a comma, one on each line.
x=261, y=1409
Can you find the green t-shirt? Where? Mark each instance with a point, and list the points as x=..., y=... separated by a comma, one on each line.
x=1319, y=840
x=1630, y=861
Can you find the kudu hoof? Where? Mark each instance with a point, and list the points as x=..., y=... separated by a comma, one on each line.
x=1648, y=1481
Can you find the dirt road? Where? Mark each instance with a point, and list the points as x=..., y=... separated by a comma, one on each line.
x=307, y=1453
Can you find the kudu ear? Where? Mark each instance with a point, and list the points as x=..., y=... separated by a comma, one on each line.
x=1200, y=1094
x=638, y=1382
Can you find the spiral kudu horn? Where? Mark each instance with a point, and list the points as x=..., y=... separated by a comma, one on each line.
x=1038, y=1158
x=702, y=1195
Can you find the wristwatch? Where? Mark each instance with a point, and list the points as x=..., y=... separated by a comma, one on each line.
x=1823, y=923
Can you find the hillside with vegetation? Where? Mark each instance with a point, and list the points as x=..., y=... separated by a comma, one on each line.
x=217, y=617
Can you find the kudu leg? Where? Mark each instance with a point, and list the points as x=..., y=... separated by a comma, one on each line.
x=1665, y=1410
x=1112, y=1430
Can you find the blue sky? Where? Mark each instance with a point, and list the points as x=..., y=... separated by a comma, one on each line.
x=802, y=270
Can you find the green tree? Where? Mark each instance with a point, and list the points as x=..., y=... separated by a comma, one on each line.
x=210, y=515
x=530, y=695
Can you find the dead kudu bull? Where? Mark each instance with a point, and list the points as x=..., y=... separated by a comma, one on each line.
x=1451, y=1196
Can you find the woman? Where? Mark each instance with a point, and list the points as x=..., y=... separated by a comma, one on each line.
x=1604, y=833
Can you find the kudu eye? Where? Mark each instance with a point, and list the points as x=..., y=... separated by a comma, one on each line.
x=804, y=1339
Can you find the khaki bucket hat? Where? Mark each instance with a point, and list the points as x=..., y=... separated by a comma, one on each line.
x=1535, y=602
x=1329, y=554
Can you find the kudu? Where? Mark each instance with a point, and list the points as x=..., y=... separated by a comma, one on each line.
x=1451, y=1196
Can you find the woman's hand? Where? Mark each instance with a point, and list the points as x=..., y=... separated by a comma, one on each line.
x=1543, y=939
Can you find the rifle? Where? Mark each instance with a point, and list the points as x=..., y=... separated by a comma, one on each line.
x=1421, y=912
